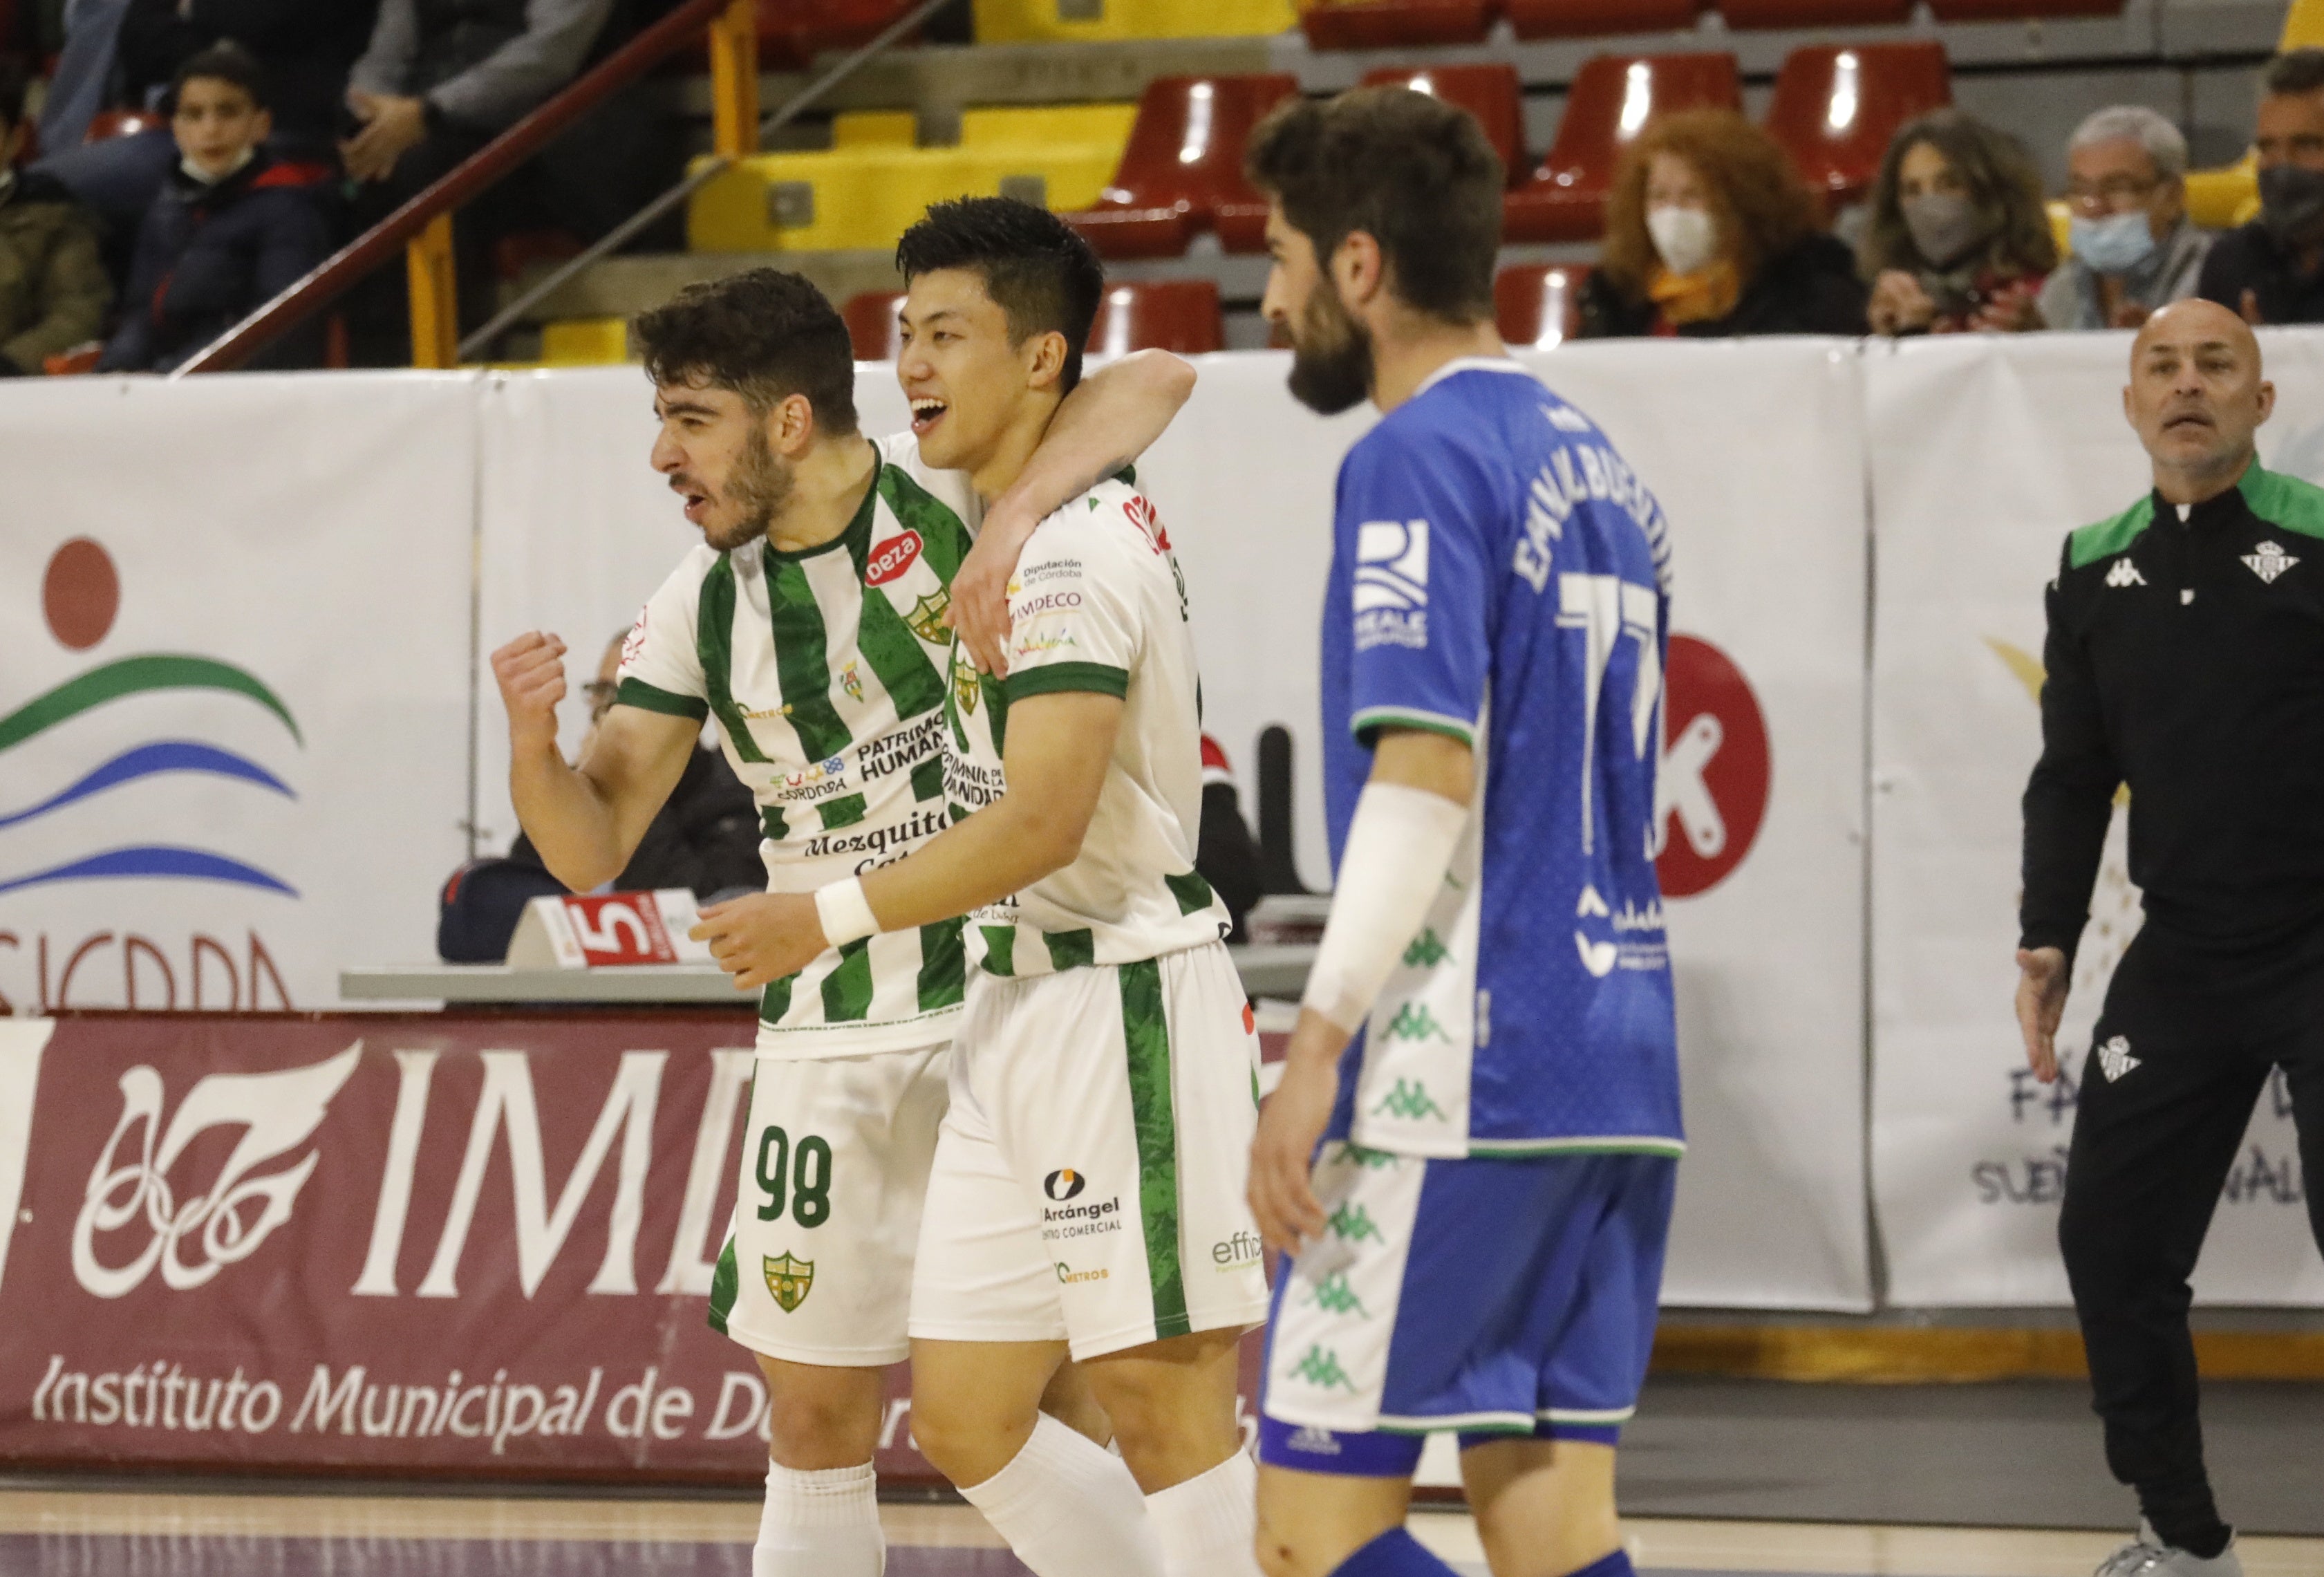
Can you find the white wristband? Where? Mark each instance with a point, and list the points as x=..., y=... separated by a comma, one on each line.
x=845, y=912
x=1400, y=843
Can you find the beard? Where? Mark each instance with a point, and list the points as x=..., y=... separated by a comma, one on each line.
x=1331, y=355
x=759, y=487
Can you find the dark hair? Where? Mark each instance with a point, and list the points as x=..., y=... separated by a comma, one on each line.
x=1760, y=205
x=13, y=86
x=764, y=334
x=2003, y=183
x=1410, y=170
x=223, y=62
x=1036, y=267
x=2294, y=71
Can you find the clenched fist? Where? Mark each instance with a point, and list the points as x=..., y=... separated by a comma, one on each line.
x=530, y=670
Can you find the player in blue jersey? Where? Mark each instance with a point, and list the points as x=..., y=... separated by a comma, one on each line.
x=1478, y=1239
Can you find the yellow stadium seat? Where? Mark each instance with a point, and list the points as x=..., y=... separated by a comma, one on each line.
x=864, y=192
x=2222, y=198
x=585, y=342
x=875, y=128
x=2304, y=26
x=1033, y=21
x=2062, y=227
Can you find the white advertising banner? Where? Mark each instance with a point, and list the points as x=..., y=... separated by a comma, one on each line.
x=1766, y=502
x=1986, y=451
x=235, y=699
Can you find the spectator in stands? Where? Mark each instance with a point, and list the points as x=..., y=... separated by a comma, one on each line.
x=2272, y=270
x=234, y=227
x=53, y=288
x=2133, y=247
x=1225, y=854
x=1710, y=232
x=1958, y=239
x=705, y=838
x=304, y=47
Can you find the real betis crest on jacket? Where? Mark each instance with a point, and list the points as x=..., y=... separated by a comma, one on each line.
x=1097, y=606
x=825, y=672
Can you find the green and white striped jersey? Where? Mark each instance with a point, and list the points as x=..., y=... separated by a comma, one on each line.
x=1097, y=604
x=824, y=673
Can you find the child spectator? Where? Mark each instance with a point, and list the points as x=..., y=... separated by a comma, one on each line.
x=232, y=229
x=1959, y=240
x=53, y=291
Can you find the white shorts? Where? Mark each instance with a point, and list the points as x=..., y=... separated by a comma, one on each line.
x=1088, y=1185
x=817, y=1266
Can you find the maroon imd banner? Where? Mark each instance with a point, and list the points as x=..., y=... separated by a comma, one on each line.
x=391, y=1243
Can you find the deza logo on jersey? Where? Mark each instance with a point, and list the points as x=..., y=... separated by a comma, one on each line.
x=1391, y=590
x=896, y=556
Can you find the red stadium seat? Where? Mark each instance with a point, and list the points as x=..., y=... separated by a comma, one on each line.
x=871, y=319
x=520, y=250
x=1395, y=24
x=1592, y=18
x=1183, y=169
x=1836, y=107
x=108, y=124
x=1614, y=97
x=2015, y=10
x=1490, y=93
x=1173, y=315
x=1536, y=305
x=1814, y=13
x=792, y=33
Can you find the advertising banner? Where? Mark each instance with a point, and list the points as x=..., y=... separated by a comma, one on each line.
x=1765, y=773
x=1986, y=452
x=233, y=706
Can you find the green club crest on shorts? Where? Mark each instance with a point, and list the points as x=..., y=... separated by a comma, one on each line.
x=789, y=1280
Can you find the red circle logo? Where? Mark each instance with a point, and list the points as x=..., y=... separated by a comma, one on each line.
x=1716, y=769
x=81, y=594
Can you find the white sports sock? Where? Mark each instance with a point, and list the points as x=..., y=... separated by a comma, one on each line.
x=1209, y=1524
x=1069, y=1508
x=820, y=1524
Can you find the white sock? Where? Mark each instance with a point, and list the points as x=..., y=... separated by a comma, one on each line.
x=1209, y=1524
x=820, y=1524
x=1069, y=1508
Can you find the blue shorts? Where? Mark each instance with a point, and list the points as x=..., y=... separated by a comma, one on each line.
x=1497, y=1298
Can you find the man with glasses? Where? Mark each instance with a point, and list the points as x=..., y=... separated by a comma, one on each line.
x=2272, y=270
x=2133, y=248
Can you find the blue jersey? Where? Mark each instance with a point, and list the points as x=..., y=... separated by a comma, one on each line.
x=1500, y=575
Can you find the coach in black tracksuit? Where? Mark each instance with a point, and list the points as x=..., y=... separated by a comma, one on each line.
x=2186, y=660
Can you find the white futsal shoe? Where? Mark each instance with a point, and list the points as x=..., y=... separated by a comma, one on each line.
x=2148, y=1556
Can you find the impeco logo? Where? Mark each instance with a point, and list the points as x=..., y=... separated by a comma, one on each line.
x=899, y=554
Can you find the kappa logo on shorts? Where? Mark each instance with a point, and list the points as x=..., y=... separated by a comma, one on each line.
x=2114, y=1059
x=1352, y=1223
x=789, y=1280
x=1334, y=1296
x=1410, y=1100
x=1063, y=1183
x=1319, y=1368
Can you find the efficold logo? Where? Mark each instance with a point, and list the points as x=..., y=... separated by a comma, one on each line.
x=80, y=604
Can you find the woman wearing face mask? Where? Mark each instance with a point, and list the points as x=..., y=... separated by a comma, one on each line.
x=1710, y=232
x=1958, y=240
x=2133, y=248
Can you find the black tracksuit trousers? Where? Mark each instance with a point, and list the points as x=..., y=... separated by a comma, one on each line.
x=2152, y=1146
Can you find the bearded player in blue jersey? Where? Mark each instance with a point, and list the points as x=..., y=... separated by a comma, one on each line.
x=1486, y=1055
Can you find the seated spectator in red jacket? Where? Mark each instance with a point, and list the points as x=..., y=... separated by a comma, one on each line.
x=1711, y=233
x=53, y=290
x=1960, y=239
x=705, y=838
x=233, y=228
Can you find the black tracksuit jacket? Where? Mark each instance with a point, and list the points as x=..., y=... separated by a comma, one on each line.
x=2186, y=660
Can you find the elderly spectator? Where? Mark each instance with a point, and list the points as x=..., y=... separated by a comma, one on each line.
x=2133, y=247
x=1958, y=240
x=235, y=227
x=2272, y=270
x=53, y=288
x=1710, y=232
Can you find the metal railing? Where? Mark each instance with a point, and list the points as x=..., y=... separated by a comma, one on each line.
x=423, y=225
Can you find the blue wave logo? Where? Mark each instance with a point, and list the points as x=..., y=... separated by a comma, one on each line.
x=81, y=594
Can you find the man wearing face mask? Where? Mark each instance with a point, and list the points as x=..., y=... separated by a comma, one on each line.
x=2272, y=270
x=2133, y=247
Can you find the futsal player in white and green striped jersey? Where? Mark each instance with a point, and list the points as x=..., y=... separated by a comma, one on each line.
x=810, y=628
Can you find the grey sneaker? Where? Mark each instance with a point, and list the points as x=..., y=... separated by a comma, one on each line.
x=2148, y=1556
